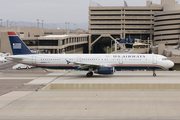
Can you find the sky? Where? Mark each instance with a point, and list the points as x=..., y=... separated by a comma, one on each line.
x=55, y=11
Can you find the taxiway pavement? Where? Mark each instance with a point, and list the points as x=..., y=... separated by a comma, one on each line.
x=32, y=101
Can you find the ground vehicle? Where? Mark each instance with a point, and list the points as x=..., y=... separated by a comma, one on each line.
x=21, y=66
x=127, y=50
x=2, y=55
x=2, y=59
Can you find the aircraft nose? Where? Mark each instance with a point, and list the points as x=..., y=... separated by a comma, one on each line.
x=171, y=64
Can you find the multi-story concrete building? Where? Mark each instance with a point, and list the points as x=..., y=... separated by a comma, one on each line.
x=109, y=23
x=167, y=25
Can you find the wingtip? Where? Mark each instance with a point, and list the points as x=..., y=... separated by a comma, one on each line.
x=11, y=33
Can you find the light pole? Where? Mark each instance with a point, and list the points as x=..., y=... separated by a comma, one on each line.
x=74, y=44
x=42, y=23
x=75, y=26
x=11, y=24
x=148, y=46
x=37, y=22
x=7, y=22
x=68, y=25
x=111, y=46
x=107, y=49
x=179, y=41
x=65, y=25
x=53, y=26
x=1, y=21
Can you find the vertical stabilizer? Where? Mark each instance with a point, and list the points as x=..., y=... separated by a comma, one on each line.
x=17, y=45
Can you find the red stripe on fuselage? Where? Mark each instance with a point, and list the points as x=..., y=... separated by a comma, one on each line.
x=50, y=64
x=112, y=65
x=135, y=65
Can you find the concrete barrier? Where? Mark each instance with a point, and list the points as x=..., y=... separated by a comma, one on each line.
x=116, y=86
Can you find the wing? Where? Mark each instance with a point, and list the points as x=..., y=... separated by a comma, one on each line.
x=85, y=65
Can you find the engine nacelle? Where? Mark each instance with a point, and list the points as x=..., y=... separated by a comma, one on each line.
x=105, y=70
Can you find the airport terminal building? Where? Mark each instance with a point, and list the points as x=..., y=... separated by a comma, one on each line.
x=156, y=22
x=47, y=41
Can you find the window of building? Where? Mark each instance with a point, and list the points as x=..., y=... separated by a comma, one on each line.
x=31, y=42
x=48, y=33
x=36, y=35
x=48, y=43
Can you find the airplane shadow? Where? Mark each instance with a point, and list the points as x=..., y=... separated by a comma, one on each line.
x=112, y=76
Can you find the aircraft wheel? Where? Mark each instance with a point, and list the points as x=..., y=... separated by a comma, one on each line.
x=27, y=67
x=89, y=74
x=154, y=74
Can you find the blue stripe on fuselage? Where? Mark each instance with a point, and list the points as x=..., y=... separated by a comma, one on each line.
x=116, y=67
x=138, y=67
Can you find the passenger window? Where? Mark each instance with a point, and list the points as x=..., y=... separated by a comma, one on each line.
x=164, y=59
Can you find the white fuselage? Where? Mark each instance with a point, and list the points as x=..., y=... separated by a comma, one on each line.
x=118, y=61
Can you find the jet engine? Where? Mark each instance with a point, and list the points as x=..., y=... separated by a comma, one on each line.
x=105, y=70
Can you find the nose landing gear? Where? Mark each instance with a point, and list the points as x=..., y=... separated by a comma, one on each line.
x=154, y=74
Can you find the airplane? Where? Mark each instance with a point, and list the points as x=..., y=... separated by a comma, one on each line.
x=93, y=63
x=2, y=59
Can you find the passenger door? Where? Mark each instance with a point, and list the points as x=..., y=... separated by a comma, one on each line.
x=121, y=60
x=154, y=59
x=79, y=59
x=33, y=59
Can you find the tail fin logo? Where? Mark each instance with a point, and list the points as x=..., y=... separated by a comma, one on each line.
x=16, y=45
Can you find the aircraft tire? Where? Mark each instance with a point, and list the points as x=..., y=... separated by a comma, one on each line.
x=154, y=74
x=89, y=74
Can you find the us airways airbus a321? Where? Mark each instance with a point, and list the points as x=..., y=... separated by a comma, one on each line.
x=93, y=63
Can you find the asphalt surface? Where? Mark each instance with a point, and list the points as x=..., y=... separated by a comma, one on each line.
x=21, y=96
x=9, y=85
x=6, y=65
x=91, y=105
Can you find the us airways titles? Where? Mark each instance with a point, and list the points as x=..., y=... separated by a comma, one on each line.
x=129, y=56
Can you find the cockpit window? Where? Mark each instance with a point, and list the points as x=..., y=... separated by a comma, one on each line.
x=164, y=59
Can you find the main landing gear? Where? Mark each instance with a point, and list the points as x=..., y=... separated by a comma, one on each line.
x=154, y=74
x=89, y=74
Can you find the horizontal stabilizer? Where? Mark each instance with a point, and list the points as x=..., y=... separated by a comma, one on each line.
x=13, y=59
